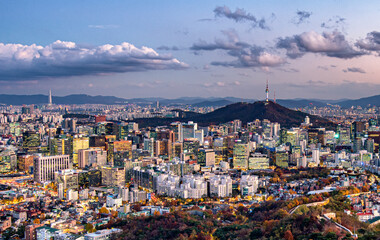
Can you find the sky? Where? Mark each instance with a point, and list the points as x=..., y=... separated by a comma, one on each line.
x=325, y=49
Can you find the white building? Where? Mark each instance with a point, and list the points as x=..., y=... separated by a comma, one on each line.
x=46, y=233
x=101, y=234
x=72, y=195
x=191, y=186
x=220, y=186
x=315, y=156
x=249, y=184
x=44, y=167
x=114, y=201
x=124, y=194
x=61, y=191
x=83, y=194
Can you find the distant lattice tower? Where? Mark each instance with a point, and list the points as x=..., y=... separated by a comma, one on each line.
x=267, y=92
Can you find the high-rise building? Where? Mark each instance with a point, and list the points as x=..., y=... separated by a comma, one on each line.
x=30, y=141
x=344, y=134
x=282, y=159
x=375, y=136
x=258, y=161
x=240, y=155
x=78, y=144
x=358, y=144
x=97, y=141
x=369, y=145
x=190, y=146
x=206, y=157
x=70, y=124
x=62, y=145
x=67, y=177
x=187, y=130
x=113, y=176
x=44, y=167
x=316, y=156
x=92, y=157
x=149, y=146
x=8, y=161
x=50, y=98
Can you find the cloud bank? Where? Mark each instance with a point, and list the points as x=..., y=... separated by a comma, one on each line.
x=240, y=15
x=331, y=44
x=246, y=55
x=354, y=70
x=371, y=42
x=66, y=59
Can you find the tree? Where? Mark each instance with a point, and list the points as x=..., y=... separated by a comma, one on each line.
x=114, y=214
x=104, y=210
x=288, y=235
x=89, y=227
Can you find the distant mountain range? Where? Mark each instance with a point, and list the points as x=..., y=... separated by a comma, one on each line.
x=246, y=112
x=70, y=99
x=193, y=101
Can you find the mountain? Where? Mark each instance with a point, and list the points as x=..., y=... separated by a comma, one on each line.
x=70, y=99
x=300, y=103
x=10, y=99
x=246, y=112
x=217, y=103
x=363, y=102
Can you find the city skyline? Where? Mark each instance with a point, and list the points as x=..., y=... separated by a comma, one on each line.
x=195, y=49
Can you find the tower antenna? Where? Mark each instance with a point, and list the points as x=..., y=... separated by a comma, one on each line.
x=267, y=92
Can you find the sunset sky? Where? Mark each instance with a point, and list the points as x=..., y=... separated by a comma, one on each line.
x=306, y=49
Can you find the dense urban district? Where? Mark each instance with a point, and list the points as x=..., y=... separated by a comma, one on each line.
x=243, y=171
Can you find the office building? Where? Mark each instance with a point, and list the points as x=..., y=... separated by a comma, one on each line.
x=258, y=161
x=45, y=167
x=240, y=155
x=113, y=176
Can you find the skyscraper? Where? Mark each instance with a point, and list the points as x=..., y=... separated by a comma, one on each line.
x=50, y=98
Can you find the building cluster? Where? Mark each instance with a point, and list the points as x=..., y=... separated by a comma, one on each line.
x=78, y=169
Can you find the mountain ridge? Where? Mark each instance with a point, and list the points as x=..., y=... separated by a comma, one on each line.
x=13, y=99
x=246, y=112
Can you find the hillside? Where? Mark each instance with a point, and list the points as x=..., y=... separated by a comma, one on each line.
x=11, y=99
x=363, y=102
x=246, y=112
x=70, y=99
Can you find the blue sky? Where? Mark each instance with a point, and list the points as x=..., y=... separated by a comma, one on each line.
x=306, y=49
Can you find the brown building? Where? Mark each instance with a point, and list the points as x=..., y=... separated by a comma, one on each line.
x=100, y=118
x=123, y=146
x=24, y=162
x=7, y=223
x=98, y=141
x=30, y=231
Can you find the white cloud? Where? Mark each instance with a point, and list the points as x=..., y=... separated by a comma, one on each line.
x=65, y=59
